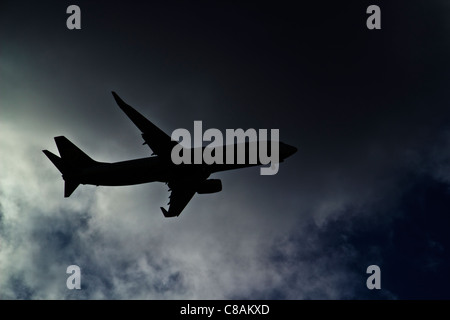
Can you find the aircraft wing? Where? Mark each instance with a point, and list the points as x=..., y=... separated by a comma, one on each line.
x=182, y=192
x=160, y=143
x=179, y=198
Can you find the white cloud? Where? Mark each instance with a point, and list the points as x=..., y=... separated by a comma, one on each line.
x=222, y=246
x=217, y=249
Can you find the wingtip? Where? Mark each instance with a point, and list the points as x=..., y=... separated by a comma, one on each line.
x=167, y=214
x=119, y=100
x=115, y=95
x=164, y=211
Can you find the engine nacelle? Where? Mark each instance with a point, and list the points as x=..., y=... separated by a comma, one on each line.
x=210, y=186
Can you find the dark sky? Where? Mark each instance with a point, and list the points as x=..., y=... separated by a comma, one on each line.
x=367, y=109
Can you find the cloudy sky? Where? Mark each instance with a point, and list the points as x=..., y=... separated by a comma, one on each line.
x=367, y=109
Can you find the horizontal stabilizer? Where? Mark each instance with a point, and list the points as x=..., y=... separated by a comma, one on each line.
x=57, y=161
x=70, y=162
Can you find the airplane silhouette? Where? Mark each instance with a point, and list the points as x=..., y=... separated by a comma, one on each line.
x=184, y=180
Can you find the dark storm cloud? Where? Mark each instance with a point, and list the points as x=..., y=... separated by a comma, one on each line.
x=367, y=110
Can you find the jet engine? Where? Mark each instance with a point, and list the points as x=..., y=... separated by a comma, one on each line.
x=210, y=186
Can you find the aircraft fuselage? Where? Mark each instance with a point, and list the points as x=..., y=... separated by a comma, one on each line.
x=152, y=169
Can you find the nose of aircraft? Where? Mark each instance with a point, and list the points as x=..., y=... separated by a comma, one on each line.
x=287, y=150
x=291, y=150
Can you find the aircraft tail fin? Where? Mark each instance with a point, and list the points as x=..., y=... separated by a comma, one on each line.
x=71, y=159
x=71, y=154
